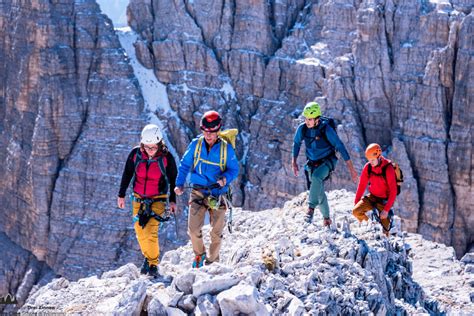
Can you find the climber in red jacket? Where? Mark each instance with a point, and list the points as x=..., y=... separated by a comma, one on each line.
x=380, y=175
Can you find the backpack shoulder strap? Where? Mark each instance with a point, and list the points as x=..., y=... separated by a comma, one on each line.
x=384, y=168
x=163, y=172
x=197, y=152
x=136, y=160
x=223, y=154
x=325, y=122
x=304, y=131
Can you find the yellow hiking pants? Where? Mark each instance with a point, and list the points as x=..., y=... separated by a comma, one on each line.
x=148, y=237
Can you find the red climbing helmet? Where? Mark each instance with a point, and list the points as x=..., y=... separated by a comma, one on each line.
x=211, y=121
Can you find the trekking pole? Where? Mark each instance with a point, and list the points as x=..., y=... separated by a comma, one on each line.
x=176, y=224
x=229, y=221
x=228, y=206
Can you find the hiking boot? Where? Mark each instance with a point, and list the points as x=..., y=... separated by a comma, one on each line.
x=327, y=222
x=199, y=260
x=153, y=271
x=145, y=267
x=208, y=262
x=308, y=218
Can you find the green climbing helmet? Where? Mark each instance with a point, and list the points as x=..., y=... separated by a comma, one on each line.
x=312, y=110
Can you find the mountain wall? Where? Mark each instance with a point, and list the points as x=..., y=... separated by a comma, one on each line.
x=70, y=110
x=392, y=72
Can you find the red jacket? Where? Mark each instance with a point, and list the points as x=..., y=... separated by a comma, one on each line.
x=380, y=186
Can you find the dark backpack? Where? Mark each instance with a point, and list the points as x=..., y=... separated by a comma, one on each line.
x=398, y=174
x=326, y=121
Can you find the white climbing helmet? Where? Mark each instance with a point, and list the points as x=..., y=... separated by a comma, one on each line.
x=150, y=135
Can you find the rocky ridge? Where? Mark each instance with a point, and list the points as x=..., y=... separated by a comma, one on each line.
x=274, y=263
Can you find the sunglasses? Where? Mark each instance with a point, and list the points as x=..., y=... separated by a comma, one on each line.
x=150, y=147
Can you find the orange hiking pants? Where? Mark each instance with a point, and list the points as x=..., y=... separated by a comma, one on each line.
x=368, y=203
x=148, y=236
x=198, y=206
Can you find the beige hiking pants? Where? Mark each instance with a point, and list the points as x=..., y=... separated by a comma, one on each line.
x=198, y=206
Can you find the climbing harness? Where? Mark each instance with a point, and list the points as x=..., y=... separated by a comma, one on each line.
x=145, y=212
x=215, y=202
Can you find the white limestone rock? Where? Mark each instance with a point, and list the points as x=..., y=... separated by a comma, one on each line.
x=241, y=299
x=214, y=284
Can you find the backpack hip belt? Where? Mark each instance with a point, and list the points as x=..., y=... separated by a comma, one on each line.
x=376, y=200
x=147, y=200
x=204, y=190
x=316, y=163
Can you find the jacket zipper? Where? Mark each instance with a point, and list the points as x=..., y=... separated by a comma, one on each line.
x=146, y=177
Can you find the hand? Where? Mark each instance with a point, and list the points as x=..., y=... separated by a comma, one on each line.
x=178, y=190
x=121, y=202
x=295, y=168
x=173, y=208
x=383, y=214
x=354, y=176
x=222, y=181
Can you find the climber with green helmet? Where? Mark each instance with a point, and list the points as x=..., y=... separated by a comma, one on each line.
x=321, y=143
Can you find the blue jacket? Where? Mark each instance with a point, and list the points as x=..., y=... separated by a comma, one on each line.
x=206, y=174
x=316, y=145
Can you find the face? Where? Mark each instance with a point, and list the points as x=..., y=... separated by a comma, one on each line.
x=210, y=137
x=311, y=122
x=374, y=162
x=150, y=149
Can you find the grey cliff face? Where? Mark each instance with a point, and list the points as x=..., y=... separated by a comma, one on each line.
x=70, y=112
x=392, y=72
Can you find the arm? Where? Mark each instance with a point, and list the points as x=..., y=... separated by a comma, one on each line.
x=232, y=167
x=171, y=173
x=392, y=187
x=336, y=142
x=127, y=174
x=296, y=148
x=364, y=179
x=185, y=164
x=352, y=171
x=297, y=139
